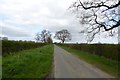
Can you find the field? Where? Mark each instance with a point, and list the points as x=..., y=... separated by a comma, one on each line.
x=32, y=63
x=108, y=65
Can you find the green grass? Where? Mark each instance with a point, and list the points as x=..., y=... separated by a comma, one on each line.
x=33, y=63
x=0, y=59
x=109, y=66
x=0, y=66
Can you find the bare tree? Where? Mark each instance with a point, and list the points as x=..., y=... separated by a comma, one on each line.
x=63, y=35
x=100, y=15
x=49, y=40
x=37, y=37
x=43, y=36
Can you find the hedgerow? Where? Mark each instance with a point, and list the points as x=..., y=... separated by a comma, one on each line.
x=15, y=46
x=110, y=51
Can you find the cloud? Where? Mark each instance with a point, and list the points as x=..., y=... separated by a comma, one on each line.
x=24, y=18
x=13, y=31
x=41, y=12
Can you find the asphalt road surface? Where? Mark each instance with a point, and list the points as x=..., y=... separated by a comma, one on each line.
x=67, y=65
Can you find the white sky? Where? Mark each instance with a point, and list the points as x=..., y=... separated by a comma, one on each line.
x=21, y=19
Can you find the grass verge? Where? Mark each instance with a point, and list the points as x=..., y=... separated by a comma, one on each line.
x=33, y=63
x=109, y=66
x=0, y=59
x=0, y=66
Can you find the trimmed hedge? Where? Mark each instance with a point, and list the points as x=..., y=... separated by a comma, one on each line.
x=15, y=46
x=109, y=51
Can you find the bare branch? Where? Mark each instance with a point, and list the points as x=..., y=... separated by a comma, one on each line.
x=99, y=5
x=99, y=15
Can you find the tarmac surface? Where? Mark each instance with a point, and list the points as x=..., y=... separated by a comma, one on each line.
x=67, y=65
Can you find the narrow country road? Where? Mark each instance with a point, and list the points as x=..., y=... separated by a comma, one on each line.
x=67, y=65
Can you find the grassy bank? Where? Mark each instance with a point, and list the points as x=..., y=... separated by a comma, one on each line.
x=33, y=63
x=0, y=66
x=0, y=59
x=102, y=63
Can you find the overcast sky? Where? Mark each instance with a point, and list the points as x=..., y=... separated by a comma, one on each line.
x=21, y=19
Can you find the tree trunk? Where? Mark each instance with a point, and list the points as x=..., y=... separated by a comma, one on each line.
x=63, y=41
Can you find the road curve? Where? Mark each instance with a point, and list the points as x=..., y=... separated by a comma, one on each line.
x=67, y=65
